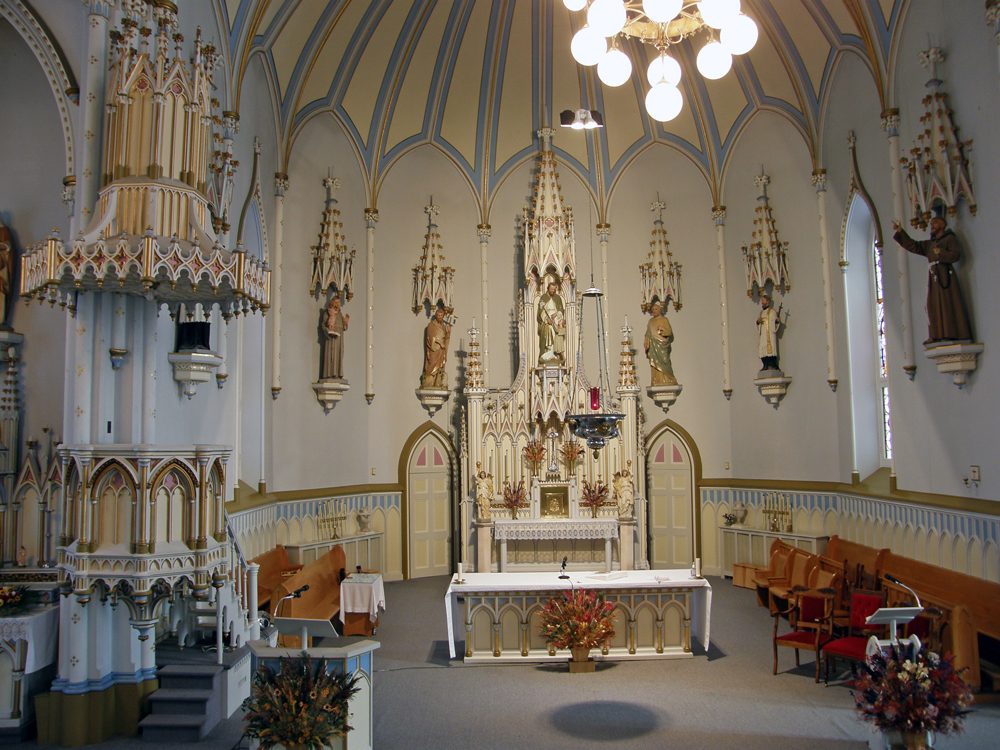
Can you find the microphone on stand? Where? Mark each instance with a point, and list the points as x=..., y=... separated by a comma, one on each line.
x=892, y=579
x=562, y=570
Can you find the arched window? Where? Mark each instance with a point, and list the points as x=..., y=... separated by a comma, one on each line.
x=866, y=327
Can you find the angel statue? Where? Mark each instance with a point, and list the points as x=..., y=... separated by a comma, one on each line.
x=624, y=492
x=484, y=492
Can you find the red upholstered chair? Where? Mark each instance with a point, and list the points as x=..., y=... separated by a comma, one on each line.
x=810, y=618
x=853, y=645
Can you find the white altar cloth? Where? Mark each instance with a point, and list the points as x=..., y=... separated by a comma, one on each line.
x=550, y=581
x=362, y=592
x=39, y=628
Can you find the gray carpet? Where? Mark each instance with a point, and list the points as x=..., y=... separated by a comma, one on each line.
x=725, y=700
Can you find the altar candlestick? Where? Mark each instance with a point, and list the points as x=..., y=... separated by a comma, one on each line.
x=459, y=573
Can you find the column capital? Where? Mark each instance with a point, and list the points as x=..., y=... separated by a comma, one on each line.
x=371, y=217
x=603, y=229
x=280, y=184
x=483, y=230
x=99, y=7
x=819, y=180
x=719, y=215
x=890, y=122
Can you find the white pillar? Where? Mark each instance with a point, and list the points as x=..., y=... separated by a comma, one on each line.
x=603, y=230
x=483, y=230
x=371, y=217
x=280, y=186
x=262, y=427
x=253, y=604
x=81, y=370
x=149, y=311
x=88, y=178
x=890, y=124
x=819, y=181
x=719, y=216
x=993, y=19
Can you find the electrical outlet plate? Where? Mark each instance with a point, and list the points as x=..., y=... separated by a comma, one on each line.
x=975, y=473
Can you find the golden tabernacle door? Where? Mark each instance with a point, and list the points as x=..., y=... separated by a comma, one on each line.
x=554, y=501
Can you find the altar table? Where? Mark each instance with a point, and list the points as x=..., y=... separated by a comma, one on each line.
x=656, y=611
x=569, y=528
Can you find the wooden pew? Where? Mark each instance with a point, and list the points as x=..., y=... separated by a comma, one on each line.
x=862, y=564
x=321, y=601
x=971, y=606
x=779, y=568
x=274, y=568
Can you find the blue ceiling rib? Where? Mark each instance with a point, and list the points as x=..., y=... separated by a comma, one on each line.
x=456, y=31
x=494, y=89
x=490, y=82
x=399, y=61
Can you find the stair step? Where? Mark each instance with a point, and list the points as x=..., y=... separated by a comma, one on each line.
x=181, y=701
x=189, y=676
x=174, y=728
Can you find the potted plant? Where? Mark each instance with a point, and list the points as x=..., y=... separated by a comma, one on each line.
x=578, y=620
x=514, y=497
x=299, y=706
x=15, y=599
x=594, y=496
x=909, y=695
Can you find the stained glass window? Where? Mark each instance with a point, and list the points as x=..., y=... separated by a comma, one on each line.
x=880, y=343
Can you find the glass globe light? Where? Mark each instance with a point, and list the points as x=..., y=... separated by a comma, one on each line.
x=716, y=13
x=739, y=35
x=574, y=4
x=614, y=68
x=714, y=61
x=607, y=16
x=588, y=46
x=662, y=11
x=664, y=102
x=664, y=68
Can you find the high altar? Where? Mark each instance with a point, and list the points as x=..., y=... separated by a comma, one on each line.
x=523, y=435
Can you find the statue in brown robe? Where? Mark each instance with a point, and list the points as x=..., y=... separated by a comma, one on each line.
x=333, y=325
x=436, y=352
x=945, y=310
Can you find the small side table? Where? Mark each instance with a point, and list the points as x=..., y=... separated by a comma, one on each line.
x=361, y=596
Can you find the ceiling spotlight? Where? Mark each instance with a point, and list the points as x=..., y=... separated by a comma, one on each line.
x=581, y=119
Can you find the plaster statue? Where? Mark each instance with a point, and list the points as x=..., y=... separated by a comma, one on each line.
x=333, y=325
x=22, y=557
x=484, y=492
x=945, y=310
x=436, y=340
x=624, y=491
x=657, y=343
x=768, y=323
x=551, y=326
x=6, y=260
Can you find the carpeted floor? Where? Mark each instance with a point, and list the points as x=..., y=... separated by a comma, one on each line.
x=725, y=700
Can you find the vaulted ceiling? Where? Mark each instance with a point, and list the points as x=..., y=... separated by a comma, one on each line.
x=476, y=78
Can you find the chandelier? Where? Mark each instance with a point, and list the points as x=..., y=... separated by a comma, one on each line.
x=662, y=24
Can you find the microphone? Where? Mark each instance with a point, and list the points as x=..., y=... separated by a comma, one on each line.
x=298, y=592
x=562, y=570
x=565, y=559
x=892, y=579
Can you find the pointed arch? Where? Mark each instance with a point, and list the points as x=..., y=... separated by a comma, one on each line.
x=688, y=469
x=406, y=455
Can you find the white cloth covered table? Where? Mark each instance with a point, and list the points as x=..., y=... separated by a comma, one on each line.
x=362, y=592
x=607, y=583
x=559, y=528
x=39, y=628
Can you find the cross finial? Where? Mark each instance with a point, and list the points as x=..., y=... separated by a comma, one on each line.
x=658, y=206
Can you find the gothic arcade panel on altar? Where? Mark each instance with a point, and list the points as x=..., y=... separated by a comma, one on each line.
x=533, y=475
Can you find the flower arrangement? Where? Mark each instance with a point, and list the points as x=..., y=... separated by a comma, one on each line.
x=301, y=704
x=594, y=495
x=912, y=692
x=514, y=497
x=16, y=599
x=570, y=452
x=577, y=619
x=729, y=518
x=534, y=453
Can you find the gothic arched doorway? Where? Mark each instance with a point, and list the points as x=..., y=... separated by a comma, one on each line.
x=427, y=504
x=672, y=514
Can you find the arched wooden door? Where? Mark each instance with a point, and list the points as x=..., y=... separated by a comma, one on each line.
x=671, y=520
x=429, y=508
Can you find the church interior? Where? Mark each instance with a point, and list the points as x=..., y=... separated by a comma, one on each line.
x=294, y=288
